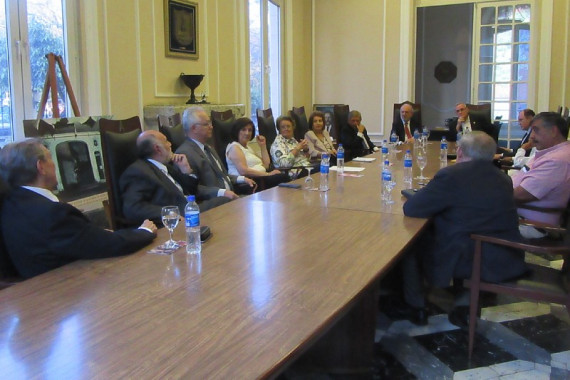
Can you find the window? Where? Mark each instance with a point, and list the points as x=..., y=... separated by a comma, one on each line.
x=29, y=29
x=503, y=40
x=265, y=56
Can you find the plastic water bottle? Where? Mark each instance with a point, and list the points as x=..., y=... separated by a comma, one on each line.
x=192, y=216
x=340, y=159
x=408, y=169
x=324, y=184
x=386, y=178
x=417, y=140
x=385, y=150
x=443, y=151
x=393, y=138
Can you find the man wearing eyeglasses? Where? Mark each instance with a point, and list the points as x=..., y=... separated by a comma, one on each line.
x=214, y=181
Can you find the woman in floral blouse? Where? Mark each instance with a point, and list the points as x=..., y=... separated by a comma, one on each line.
x=286, y=152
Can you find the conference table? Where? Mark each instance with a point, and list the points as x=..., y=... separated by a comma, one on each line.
x=286, y=275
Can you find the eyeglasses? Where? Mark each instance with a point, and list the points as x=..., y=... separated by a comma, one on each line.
x=460, y=110
x=205, y=123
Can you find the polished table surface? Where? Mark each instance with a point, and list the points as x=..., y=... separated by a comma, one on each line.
x=281, y=268
x=360, y=193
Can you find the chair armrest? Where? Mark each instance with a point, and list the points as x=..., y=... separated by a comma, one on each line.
x=538, y=246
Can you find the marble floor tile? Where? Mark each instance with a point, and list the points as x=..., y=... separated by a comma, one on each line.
x=484, y=373
x=545, y=331
x=561, y=360
x=450, y=348
x=509, y=368
x=527, y=375
x=511, y=311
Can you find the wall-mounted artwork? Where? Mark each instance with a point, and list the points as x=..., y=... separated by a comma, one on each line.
x=328, y=110
x=181, y=28
x=75, y=146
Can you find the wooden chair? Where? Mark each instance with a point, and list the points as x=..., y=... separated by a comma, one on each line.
x=222, y=123
x=542, y=285
x=8, y=273
x=118, y=143
x=301, y=123
x=266, y=126
x=417, y=107
x=171, y=127
x=340, y=112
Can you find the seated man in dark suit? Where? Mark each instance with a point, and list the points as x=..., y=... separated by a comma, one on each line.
x=472, y=196
x=158, y=178
x=215, y=183
x=39, y=232
x=505, y=154
x=405, y=126
x=354, y=136
x=464, y=123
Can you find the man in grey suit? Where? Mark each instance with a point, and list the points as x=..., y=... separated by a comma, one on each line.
x=472, y=196
x=205, y=162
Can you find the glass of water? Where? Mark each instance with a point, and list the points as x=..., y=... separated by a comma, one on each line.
x=309, y=182
x=421, y=160
x=389, y=185
x=170, y=217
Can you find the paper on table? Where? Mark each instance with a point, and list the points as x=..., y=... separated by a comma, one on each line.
x=348, y=169
x=364, y=159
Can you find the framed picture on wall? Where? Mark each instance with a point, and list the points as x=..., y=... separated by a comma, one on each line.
x=181, y=28
x=327, y=109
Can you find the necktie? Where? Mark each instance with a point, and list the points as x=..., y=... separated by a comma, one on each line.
x=173, y=180
x=407, y=129
x=217, y=164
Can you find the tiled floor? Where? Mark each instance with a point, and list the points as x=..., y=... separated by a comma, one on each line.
x=516, y=339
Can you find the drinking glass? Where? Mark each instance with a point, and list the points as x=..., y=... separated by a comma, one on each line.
x=170, y=217
x=309, y=183
x=389, y=185
x=421, y=159
x=426, y=135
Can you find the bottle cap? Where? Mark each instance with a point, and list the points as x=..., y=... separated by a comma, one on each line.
x=191, y=198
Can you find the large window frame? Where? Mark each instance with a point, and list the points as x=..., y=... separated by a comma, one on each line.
x=271, y=21
x=503, y=61
x=21, y=95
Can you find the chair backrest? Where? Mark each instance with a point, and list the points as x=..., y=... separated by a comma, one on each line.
x=417, y=107
x=266, y=126
x=559, y=110
x=301, y=123
x=171, y=127
x=222, y=123
x=118, y=142
x=8, y=273
x=566, y=113
x=340, y=119
x=480, y=111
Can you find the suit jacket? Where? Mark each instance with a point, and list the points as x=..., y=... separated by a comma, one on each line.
x=398, y=127
x=209, y=175
x=41, y=235
x=477, y=124
x=145, y=190
x=466, y=198
x=351, y=141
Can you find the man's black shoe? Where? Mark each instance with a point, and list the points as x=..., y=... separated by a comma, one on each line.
x=401, y=310
x=459, y=316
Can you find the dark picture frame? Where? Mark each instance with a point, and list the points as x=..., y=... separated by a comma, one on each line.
x=181, y=28
x=328, y=110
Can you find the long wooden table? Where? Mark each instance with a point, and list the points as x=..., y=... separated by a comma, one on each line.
x=282, y=268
